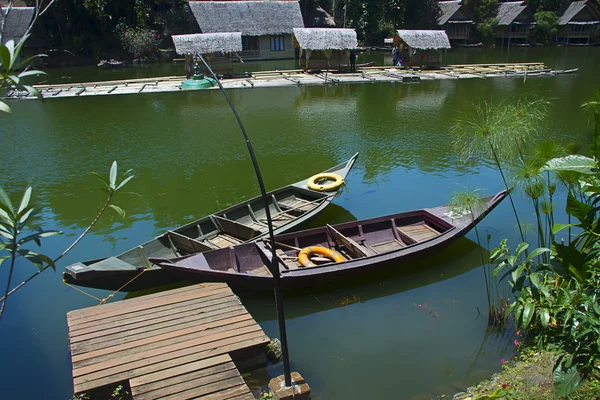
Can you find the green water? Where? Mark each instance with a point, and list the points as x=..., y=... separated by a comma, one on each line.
x=190, y=160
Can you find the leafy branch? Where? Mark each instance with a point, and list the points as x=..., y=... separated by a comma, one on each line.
x=14, y=222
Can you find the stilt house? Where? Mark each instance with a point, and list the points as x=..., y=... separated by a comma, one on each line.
x=421, y=49
x=266, y=26
x=456, y=20
x=325, y=48
x=514, y=22
x=218, y=49
x=579, y=23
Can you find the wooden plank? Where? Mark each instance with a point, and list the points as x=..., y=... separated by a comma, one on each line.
x=157, y=312
x=247, y=396
x=125, y=344
x=186, y=384
x=154, y=330
x=152, y=347
x=112, y=309
x=154, y=322
x=141, y=303
x=165, y=352
x=165, y=361
x=196, y=369
x=226, y=394
x=101, y=312
x=216, y=387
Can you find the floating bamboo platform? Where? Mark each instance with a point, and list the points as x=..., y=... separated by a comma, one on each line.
x=285, y=78
x=178, y=344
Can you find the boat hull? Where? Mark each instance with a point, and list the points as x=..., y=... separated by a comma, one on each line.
x=202, y=269
x=132, y=270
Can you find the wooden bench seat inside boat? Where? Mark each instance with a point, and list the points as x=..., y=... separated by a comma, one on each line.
x=230, y=233
x=356, y=250
x=186, y=244
x=417, y=233
x=296, y=203
x=386, y=247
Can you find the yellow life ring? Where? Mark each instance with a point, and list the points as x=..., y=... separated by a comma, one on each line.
x=322, y=251
x=337, y=182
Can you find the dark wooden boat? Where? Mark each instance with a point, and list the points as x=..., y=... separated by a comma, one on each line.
x=366, y=245
x=244, y=222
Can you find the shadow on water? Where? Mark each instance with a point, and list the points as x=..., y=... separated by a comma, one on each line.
x=461, y=257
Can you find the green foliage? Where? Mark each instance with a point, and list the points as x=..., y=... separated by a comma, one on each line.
x=556, y=290
x=140, y=42
x=12, y=70
x=18, y=228
x=546, y=26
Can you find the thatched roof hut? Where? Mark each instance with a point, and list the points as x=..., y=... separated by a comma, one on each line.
x=251, y=18
x=570, y=16
x=325, y=38
x=329, y=47
x=506, y=13
x=447, y=10
x=204, y=43
x=17, y=22
x=423, y=40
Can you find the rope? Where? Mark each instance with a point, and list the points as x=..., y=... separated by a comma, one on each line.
x=104, y=300
x=81, y=291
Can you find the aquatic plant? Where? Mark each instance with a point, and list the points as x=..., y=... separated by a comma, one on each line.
x=501, y=133
x=348, y=300
x=556, y=296
x=18, y=229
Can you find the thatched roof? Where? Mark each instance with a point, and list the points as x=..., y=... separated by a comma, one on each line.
x=507, y=12
x=17, y=22
x=424, y=39
x=326, y=38
x=575, y=8
x=203, y=43
x=447, y=10
x=252, y=18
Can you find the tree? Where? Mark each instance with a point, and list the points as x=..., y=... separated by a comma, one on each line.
x=546, y=26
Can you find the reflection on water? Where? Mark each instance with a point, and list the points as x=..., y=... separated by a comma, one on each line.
x=190, y=160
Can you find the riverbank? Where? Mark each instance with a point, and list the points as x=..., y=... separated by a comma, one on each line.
x=296, y=77
x=528, y=377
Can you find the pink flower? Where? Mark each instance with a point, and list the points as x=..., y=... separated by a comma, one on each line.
x=502, y=361
x=516, y=342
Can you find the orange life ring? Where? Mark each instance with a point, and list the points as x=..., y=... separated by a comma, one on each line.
x=322, y=251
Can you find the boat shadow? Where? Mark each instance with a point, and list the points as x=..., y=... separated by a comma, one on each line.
x=459, y=258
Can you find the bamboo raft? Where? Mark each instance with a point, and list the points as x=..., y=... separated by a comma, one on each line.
x=296, y=77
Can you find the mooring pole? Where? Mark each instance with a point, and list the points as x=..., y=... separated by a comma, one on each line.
x=274, y=265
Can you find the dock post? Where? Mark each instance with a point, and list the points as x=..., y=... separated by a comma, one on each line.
x=274, y=265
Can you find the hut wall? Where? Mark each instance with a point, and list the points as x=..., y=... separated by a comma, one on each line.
x=457, y=31
x=264, y=51
x=339, y=60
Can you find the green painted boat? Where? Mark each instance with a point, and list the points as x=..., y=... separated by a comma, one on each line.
x=290, y=206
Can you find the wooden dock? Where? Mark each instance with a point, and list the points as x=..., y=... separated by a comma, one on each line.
x=285, y=78
x=177, y=344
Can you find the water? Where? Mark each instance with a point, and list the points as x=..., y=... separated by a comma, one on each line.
x=190, y=160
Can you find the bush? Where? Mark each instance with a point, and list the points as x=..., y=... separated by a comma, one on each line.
x=546, y=26
x=140, y=42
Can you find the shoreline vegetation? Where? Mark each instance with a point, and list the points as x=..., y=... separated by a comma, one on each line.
x=81, y=33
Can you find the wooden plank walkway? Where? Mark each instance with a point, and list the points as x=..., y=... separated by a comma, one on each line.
x=177, y=342
x=282, y=78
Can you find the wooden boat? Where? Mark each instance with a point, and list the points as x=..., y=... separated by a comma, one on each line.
x=365, y=245
x=112, y=63
x=289, y=207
